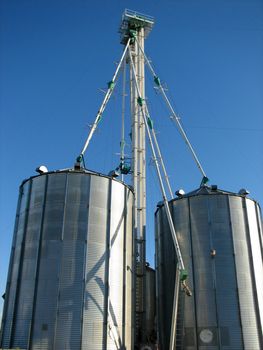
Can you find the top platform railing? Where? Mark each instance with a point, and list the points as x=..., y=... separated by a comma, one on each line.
x=137, y=15
x=130, y=18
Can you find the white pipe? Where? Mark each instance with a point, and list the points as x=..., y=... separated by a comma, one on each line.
x=175, y=310
x=105, y=101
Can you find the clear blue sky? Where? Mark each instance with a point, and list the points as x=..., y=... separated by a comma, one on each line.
x=57, y=54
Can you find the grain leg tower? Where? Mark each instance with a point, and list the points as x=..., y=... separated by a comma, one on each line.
x=137, y=25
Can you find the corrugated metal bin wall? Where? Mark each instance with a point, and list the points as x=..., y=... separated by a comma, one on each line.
x=226, y=309
x=150, y=304
x=69, y=284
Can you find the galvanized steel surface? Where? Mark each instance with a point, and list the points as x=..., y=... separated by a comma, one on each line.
x=220, y=236
x=70, y=284
x=150, y=305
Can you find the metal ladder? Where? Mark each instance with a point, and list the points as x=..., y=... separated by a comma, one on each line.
x=179, y=334
x=177, y=321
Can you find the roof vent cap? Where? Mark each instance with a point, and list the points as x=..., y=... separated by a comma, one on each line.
x=243, y=192
x=159, y=204
x=113, y=173
x=180, y=193
x=41, y=169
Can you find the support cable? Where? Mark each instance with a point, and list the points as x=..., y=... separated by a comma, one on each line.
x=183, y=272
x=111, y=85
x=150, y=122
x=174, y=116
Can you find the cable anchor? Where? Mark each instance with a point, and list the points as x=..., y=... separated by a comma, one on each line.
x=79, y=161
x=157, y=80
x=111, y=85
x=204, y=181
x=140, y=101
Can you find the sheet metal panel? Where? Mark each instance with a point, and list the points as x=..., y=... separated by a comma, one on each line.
x=71, y=284
x=159, y=276
x=244, y=271
x=128, y=320
x=157, y=258
x=115, y=295
x=202, y=267
x=15, y=268
x=256, y=251
x=74, y=267
x=166, y=279
x=181, y=215
x=225, y=284
x=94, y=307
x=150, y=303
x=47, y=293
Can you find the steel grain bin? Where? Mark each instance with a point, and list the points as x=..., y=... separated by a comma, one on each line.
x=69, y=283
x=220, y=235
